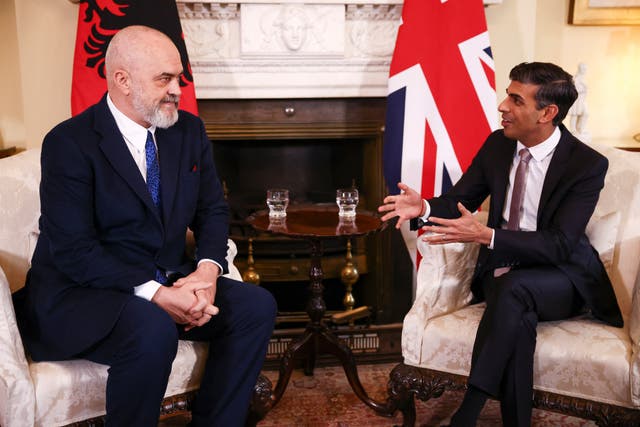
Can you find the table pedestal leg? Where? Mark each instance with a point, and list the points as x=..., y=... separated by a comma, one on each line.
x=317, y=339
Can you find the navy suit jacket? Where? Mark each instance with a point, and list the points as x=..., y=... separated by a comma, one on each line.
x=100, y=233
x=569, y=195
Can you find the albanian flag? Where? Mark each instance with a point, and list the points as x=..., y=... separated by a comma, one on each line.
x=98, y=21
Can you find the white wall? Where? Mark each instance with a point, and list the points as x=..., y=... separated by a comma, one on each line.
x=39, y=35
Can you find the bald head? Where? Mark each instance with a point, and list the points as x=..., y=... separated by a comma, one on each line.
x=143, y=69
x=133, y=47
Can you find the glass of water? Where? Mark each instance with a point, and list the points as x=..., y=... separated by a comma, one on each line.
x=277, y=201
x=347, y=200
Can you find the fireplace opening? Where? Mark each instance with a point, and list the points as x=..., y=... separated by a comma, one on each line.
x=312, y=170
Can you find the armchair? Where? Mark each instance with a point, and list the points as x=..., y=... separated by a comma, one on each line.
x=68, y=392
x=582, y=367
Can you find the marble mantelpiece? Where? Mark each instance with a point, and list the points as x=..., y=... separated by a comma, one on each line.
x=291, y=49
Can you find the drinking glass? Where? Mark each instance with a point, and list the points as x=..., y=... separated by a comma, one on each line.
x=277, y=201
x=347, y=200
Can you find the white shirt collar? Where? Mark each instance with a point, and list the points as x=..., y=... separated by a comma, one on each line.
x=132, y=131
x=546, y=147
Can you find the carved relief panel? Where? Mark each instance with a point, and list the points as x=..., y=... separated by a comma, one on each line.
x=291, y=49
x=292, y=30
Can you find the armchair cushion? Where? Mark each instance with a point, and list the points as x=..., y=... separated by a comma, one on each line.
x=580, y=357
x=74, y=390
x=602, y=232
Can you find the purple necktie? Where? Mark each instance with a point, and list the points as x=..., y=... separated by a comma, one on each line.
x=517, y=197
x=519, y=187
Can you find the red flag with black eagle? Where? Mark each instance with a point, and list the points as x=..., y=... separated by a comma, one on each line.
x=98, y=21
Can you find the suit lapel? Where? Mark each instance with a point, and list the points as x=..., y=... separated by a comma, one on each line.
x=556, y=168
x=503, y=159
x=117, y=154
x=169, y=146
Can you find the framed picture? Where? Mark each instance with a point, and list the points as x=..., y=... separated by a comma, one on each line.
x=604, y=12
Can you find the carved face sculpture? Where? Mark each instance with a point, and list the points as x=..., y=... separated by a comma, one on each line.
x=293, y=28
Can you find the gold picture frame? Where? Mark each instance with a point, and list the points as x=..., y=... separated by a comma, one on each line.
x=580, y=13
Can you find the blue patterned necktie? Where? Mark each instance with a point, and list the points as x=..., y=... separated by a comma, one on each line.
x=153, y=184
x=153, y=170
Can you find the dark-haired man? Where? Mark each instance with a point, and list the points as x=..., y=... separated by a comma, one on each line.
x=121, y=182
x=535, y=262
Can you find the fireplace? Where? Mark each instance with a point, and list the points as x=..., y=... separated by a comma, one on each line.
x=310, y=147
x=317, y=101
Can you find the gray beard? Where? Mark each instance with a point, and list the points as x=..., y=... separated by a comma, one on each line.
x=162, y=120
x=154, y=115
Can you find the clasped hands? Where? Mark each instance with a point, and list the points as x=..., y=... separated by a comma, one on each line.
x=189, y=301
x=408, y=204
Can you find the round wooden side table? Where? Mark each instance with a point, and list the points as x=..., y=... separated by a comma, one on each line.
x=316, y=223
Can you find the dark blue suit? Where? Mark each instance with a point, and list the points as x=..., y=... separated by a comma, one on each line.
x=101, y=235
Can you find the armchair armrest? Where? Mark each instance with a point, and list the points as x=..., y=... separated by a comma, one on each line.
x=443, y=286
x=17, y=396
x=232, y=251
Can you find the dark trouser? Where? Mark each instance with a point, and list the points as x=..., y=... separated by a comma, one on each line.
x=141, y=348
x=502, y=362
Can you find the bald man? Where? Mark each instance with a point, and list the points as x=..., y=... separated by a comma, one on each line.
x=110, y=280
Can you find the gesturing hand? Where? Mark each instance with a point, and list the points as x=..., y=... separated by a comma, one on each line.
x=463, y=229
x=406, y=205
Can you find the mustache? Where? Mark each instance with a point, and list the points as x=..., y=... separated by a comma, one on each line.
x=171, y=98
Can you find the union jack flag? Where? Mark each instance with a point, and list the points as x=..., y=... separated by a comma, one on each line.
x=442, y=100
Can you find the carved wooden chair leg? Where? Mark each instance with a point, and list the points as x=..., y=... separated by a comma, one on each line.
x=401, y=396
x=261, y=401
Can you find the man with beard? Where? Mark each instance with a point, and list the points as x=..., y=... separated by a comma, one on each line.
x=535, y=261
x=110, y=281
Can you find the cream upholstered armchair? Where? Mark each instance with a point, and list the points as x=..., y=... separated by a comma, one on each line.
x=68, y=392
x=582, y=367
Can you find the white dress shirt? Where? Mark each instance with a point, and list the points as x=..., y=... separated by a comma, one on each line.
x=541, y=155
x=135, y=136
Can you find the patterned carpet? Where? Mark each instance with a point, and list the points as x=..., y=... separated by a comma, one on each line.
x=326, y=400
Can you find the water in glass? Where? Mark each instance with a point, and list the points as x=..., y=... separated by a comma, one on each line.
x=277, y=201
x=347, y=200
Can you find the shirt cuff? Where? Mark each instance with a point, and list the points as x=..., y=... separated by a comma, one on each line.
x=147, y=290
x=427, y=211
x=210, y=260
x=493, y=236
